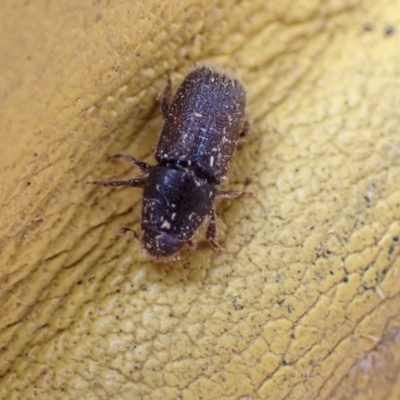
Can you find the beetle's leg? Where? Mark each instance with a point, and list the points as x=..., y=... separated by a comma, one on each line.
x=233, y=194
x=211, y=234
x=192, y=244
x=135, y=182
x=144, y=167
x=166, y=98
x=123, y=230
x=245, y=130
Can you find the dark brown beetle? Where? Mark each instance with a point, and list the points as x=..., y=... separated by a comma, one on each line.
x=202, y=127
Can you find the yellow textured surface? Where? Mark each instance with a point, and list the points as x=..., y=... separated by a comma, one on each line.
x=305, y=301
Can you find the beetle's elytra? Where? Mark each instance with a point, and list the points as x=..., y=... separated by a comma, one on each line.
x=202, y=127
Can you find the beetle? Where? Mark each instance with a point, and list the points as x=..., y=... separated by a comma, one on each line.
x=202, y=127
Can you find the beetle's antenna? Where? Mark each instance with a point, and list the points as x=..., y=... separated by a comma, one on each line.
x=123, y=230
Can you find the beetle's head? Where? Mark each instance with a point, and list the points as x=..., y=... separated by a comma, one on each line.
x=160, y=244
